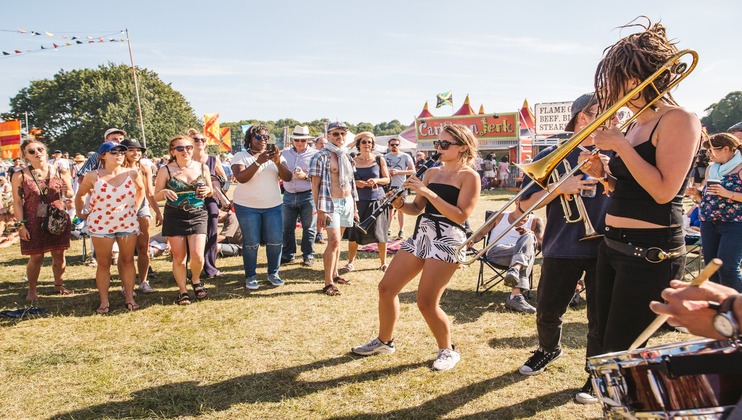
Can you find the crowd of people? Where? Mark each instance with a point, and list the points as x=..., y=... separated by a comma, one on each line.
x=632, y=191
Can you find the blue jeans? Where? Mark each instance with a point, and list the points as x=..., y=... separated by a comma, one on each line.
x=723, y=240
x=298, y=205
x=256, y=224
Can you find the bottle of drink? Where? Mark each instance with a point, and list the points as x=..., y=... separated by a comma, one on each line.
x=589, y=192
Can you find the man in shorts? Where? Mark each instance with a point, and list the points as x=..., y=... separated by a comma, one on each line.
x=335, y=195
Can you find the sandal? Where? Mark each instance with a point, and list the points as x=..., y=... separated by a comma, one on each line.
x=183, y=299
x=331, y=290
x=347, y=269
x=60, y=290
x=132, y=306
x=102, y=310
x=383, y=268
x=340, y=280
x=199, y=290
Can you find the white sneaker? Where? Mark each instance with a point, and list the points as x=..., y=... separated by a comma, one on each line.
x=586, y=395
x=145, y=287
x=374, y=346
x=446, y=359
x=252, y=283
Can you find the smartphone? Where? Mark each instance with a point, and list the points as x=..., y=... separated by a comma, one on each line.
x=270, y=147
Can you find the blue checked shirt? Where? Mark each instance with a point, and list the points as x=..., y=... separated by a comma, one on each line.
x=90, y=165
x=319, y=166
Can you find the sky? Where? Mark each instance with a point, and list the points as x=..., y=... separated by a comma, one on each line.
x=366, y=61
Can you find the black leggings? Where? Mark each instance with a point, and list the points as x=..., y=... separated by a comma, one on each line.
x=626, y=284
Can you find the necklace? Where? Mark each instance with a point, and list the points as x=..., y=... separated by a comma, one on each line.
x=183, y=167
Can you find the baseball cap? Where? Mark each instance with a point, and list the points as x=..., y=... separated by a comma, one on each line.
x=337, y=125
x=735, y=128
x=113, y=130
x=584, y=101
x=109, y=145
x=57, y=151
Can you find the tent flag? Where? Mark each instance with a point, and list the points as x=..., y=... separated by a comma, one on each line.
x=527, y=119
x=10, y=139
x=445, y=98
x=226, y=140
x=211, y=129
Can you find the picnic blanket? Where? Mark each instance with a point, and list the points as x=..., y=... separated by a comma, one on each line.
x=391, y=247
x=22, y=312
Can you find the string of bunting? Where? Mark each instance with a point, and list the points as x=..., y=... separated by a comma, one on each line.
x=70, y=41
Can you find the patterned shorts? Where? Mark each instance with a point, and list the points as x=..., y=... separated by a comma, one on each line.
x=437, y=238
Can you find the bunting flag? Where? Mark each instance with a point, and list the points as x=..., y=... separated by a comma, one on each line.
x=445, y=98
x=10, y=139
x=225, y=145
x=211, y=129
x=106, y=38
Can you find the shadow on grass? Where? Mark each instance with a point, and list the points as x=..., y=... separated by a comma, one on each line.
x=465, y=305
x=191, y=399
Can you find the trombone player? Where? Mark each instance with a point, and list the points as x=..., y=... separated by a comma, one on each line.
x=569, y=218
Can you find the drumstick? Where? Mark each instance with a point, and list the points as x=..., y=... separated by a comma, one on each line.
x=704, y=275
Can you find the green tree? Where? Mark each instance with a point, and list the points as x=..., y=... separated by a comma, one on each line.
x=75, y=107
x=724, y=114
x=388, y=129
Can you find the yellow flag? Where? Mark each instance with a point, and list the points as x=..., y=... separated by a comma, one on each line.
x=211, y=129
x=226, y=143
x=10, y=139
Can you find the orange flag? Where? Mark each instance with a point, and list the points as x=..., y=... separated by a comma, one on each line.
x=211, y=129
x=226, y=140
x=10, y=139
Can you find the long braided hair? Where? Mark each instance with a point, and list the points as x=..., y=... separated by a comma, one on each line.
x=636, y=56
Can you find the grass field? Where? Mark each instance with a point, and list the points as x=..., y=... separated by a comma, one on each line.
x=275, y=352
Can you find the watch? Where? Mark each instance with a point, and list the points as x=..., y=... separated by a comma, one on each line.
x=724, y=321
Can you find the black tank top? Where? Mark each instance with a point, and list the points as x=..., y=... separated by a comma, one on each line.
x=448, y=193
x=632, y=201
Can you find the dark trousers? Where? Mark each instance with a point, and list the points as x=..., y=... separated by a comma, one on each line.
x=212, y=230
x=626, y=284
x=559, y=277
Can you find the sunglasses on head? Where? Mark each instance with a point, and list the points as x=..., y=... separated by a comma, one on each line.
x=32, y=152
x=338, y=133
x=116, y=151
x=265, y=137
x=182, y=148
x=445, y=144
x=199, y=140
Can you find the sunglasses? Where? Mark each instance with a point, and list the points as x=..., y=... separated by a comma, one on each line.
x=116, y=151
x=366, y=142
x=444, y=144
x=393, y=145
x=338, y=133
x=265, y=137
x=199, y=140
x=183, y=148
x=301, y=140
x=32, y=152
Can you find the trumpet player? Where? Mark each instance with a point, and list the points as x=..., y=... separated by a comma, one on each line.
x=566, y=258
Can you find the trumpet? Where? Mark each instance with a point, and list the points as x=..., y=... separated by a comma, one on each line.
x=541, y=170
x=582, y=215
x=386, y=202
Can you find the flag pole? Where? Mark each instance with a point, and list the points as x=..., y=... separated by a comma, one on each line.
x=136, y=89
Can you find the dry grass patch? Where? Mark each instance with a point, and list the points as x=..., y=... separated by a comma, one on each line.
x=275, y=352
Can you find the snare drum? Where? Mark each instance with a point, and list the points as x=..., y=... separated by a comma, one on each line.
x=693, y=379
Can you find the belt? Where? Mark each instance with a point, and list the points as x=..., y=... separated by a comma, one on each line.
x=652, y=254
x=299, y=192
x=186, y=205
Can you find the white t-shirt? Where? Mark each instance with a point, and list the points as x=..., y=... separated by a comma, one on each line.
x=262, y=191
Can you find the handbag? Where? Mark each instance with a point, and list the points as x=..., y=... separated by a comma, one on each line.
x=55, y=221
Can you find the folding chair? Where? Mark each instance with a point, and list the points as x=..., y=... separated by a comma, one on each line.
x=486, y=281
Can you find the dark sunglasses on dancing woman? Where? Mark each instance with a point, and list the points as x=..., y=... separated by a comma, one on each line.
x=263, y=137
x=199, y=140
x=182, y=148
x=116, y=151
x=32, y=152
x=445, y=144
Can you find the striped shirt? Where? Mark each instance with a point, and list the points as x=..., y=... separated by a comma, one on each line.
x=90, y=165
x=319, y=166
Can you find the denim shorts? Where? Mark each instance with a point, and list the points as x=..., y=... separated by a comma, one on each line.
x=113, y=235
x=144, y=210
x=342, y=214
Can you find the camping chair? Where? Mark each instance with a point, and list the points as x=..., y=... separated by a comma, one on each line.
x=693, y=256
x=487, y=280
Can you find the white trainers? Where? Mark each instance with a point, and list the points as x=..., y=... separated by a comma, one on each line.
x=374, y=346
x=145, y=287
x=586, y=395
x=446, y=359
x=252, y=283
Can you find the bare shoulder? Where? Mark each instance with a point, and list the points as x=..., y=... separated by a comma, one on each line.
x=678, y=119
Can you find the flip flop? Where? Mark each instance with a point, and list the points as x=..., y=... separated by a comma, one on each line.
x=340, y=280
x=331, y=290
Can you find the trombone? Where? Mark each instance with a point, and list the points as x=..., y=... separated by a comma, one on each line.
x=540, y=171
x=582, y=215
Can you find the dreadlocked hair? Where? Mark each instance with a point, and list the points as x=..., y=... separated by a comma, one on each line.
x=636, y=56
x=252, y=132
